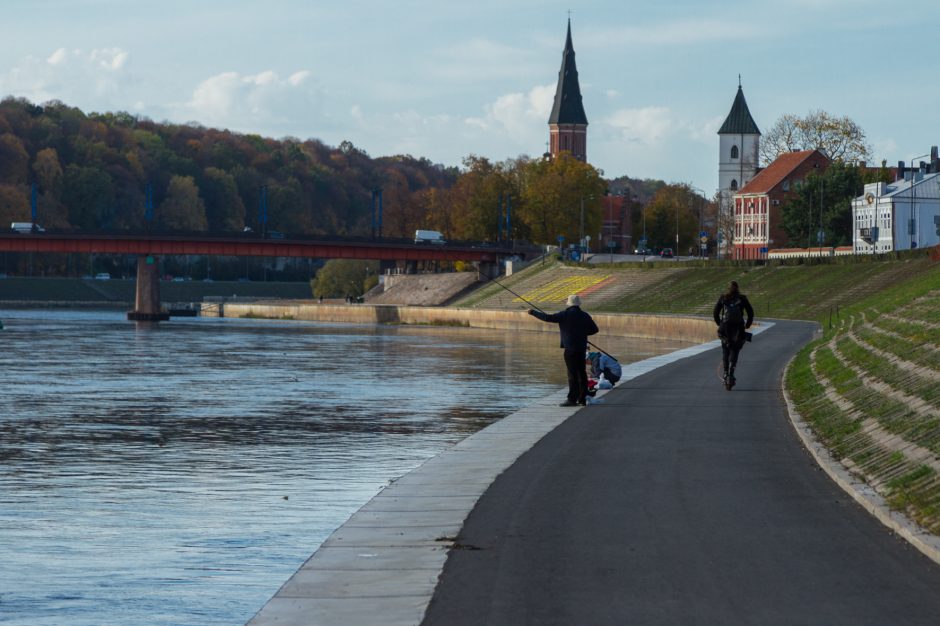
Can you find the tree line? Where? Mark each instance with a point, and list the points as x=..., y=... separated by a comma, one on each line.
x=99, y=171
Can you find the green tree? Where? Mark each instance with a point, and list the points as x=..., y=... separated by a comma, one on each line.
x=823, y=202
x=225, y=210
x=339, y=278
x=674, y=210
x=89, y=197
x=182, y=209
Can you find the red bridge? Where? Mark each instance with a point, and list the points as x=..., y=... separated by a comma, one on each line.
x=147, y=247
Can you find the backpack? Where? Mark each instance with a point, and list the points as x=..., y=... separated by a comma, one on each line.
x=733, y=312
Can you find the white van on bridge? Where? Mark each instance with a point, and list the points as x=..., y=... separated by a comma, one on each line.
x=428, y=236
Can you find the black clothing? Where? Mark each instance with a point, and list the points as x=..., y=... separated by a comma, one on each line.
x=577, y=376
x=575, y=326
x=731, y=332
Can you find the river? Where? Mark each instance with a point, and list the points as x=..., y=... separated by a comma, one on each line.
x=179, y=473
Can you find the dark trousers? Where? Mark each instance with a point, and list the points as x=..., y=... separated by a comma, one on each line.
x=729, y=356
x=577, y=376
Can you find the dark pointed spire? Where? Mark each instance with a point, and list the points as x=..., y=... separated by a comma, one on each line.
x=739, y=120
x=568, y=108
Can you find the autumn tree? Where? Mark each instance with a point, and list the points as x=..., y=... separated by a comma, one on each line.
x=474, y=200
x=14, y=204
x=182, y=209
x=555, y=192
x=14, y=160
x=840, y=138
x=48, y=172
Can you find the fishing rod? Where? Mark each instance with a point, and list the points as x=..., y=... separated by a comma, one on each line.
x=535, y=306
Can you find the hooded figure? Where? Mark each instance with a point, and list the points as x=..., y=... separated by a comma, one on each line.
x=575, y=326
x=729, y=314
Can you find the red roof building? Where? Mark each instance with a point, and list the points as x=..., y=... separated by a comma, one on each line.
x=757, y=206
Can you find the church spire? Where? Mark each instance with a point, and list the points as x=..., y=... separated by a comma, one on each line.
x=739, y=120
x=568, y=108
x=567, y=122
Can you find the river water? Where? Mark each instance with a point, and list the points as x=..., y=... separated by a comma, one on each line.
x=179, y=473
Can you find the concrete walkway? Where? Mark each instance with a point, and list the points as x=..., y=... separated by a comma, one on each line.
x=387, y=558
x=670, y=502
x=676, y=502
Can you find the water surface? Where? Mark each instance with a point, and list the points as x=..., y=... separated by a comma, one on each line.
x=179, y=473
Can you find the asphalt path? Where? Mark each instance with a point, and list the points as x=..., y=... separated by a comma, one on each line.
x=677, y=502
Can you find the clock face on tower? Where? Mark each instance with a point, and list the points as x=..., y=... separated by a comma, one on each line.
x=869, y=198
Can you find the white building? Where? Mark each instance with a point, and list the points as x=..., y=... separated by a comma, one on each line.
x=897, y=216
x=738, y=146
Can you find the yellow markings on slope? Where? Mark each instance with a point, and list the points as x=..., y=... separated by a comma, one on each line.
x=559, y=290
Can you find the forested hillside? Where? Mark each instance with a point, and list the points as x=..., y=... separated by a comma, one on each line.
x=94, y=172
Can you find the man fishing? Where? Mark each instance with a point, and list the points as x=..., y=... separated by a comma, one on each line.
x=575, y=326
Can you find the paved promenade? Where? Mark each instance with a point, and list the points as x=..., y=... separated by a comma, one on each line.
x=677, y=502
x=672, y=501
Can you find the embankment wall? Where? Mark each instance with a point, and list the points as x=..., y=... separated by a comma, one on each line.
x=679, y=327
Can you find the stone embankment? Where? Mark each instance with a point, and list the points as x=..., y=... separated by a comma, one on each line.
x=677, y=327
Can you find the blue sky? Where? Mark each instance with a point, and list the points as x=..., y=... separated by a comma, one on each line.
x=442, y=80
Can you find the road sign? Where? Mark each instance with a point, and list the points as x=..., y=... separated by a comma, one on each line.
x=702, y=234
x=703, y=239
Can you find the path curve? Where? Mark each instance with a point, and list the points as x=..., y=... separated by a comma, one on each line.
x=676, y=502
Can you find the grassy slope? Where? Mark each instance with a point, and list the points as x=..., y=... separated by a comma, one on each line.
x=845, y=296
x=909, y=484
x=785, y=291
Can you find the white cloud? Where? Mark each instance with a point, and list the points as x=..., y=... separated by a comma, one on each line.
x=250, y=102
x=646, y=126
x=94, y=80
x=521, y=116
x=298, y=77
x=57, y=57
x=111, y=59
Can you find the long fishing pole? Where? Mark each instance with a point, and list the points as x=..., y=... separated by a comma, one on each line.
x=535, y=306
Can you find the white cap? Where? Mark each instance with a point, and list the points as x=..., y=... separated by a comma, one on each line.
x=574, y=300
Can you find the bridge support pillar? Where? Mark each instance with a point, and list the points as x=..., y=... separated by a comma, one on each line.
x=147, y=301
x=488, y=270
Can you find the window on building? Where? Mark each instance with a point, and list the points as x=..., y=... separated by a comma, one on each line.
x=786, y=185
x=734, y=152
x=734, y=184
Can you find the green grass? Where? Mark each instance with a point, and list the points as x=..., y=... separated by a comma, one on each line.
x=913, y=294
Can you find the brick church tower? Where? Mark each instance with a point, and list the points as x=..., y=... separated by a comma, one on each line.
x=568, y=124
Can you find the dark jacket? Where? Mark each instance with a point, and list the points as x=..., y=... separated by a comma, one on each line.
x=574, y=324
x=730, y=331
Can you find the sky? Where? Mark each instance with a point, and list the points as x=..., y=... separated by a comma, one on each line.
x=443, y=80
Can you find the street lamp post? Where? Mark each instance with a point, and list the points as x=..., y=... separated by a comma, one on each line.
x=701, y=219
x=610, y=227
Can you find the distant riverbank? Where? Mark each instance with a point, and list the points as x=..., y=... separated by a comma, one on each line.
x=31, y=292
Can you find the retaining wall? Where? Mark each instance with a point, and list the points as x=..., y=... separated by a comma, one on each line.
x=678, y=327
